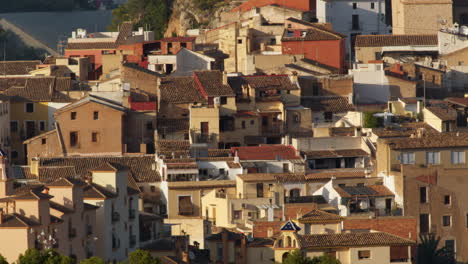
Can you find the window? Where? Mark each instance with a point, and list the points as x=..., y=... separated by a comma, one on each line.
x=43, y=141
x=460, y=63
x=289, y=26
x=423, y=194
x=355, y=22
x=149, y=125
x=219, y=252
x=239, y=41
x=29, y=107
x=447, y=199
x=446, y=220
x=42, y=126
x=14, y=154
x=94, y=137
x=223, y=100
x=354, y=5
x=153, y=188
x=328, y=116
x=73, y=115
x=73, y=139
x=222, y=171
x=243, y=124
x=297, y=118
x=14, y=126
x=315, y=89
x=450, y=245
x=183, y=45
x=259, y=190
x=372, y=5
x=237, y=214
x=423, y=223
x=364, y=254
x=432, y=157
x=95, y=115
x=458, y=157
x=407, y=158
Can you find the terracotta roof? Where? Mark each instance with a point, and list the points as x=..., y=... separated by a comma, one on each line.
x=171, y=125
x=335, y=104
x=125, y=31
x=265, y=152
x=363, y=191
x=33, y=192
x=267, y=82
x=277, y=177
x=180, y=90
x=430, y=140
x=406, y=130
x=233, y=165
x=7, y=82
x=336, y=173
x=352, y=240
x=62, y=181
x=172, y=145
x=219, y=152
x=178, y=39
x=91, y=45
x=17, y=220
x=18, y=67
x=104, y=166
x=315, y=32
x=60, y=208
x=211, y=82
x=40, y=89
x=96, y=191
x=201, y=184
x=395, y=40
x=445, y=113
x=458, y=100
x=140, y=166
x=319, y=216
x=318, y=154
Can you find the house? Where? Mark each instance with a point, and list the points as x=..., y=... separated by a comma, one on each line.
x=362, y=17
x=406, y=106
x=269, y=158
x=441, y=117
x=391, y=48
x=347, y=247
x=314, y=42
x=75, y=68
x=5, y=136
x=182, y=63
x=461, y=106
x=33, y=102
x=407, y=18
x=422, y=171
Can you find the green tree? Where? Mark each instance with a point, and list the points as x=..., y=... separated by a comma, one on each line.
x=325, y=259
x=371, y=121
x=428, y=251
x=3, y=260
x=150, y=14
x=142, y=257
x=93, y=260
x=34, y=256
x=296, y=257
x=31, y=256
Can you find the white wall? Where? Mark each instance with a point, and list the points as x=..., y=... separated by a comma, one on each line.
x=188, y=61
x=332, y=197
x=51, y=109
x=449, y=42
x=370, y=84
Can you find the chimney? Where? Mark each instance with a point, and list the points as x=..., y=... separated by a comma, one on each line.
x=45, y=191
x=294, y=77
x=225, y=78
x=34, y=167
x=185, y=257
x=51, y=89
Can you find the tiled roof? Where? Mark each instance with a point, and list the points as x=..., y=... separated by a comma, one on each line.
x=212, y=83
x=395, y=40
x=8, y=82
x=277, y=177
x=430, y=140
x=318, y=154
x=17, y=67
x=335, y=104
x=40, y=89
x=335, y=173
x=33, y=192
x=17, y=220
x=219, y=152
x=363, y=191
x=62, y=181
x=91, y=45
x=177, y=166
x=233, y=165
x=201, y=184
x=352, y=240
x=231, y=236
x=268, y=82
x=342, y=131
x=445, y=113
x=265, y=152
x=319, y=216
x=60, y=208
x=458, y=100
x=125, y=31
x=315, y=32
x=104, y=166
x=178, y=39
x=96, y=191
x=171, y=125
x=406, y=130
x=172, y=145
x=180, y=90
x=140, y=167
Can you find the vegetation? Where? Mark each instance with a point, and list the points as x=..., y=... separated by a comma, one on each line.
x=296, y=257
x=150, y=14
x=3, y=260
x=428, y=251
x=44, y=5
x=207, y=4
x=93, y=260
x=34, y=256
x=371, y=121
x=12, y=48
x=142, y=257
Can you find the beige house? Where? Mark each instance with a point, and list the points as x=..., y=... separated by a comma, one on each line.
x=421, y=16
x=425, y=172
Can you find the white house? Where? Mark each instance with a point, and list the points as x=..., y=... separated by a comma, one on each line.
x=353, y=17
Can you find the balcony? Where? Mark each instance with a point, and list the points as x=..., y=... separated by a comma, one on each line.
x=115, y=217
x=131, y=213
x=273, y=98
x=221, y=195
x=304, y=199
x=71, y=233
x=132, y=240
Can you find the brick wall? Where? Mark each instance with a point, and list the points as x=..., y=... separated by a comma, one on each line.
x=400, y=226
x=140, y=78
x=260, y=229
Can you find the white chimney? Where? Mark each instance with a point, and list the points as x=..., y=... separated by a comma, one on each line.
x=140, y=31
x=74, y=34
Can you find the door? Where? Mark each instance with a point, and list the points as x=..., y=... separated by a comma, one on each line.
x=204, y=128
x=388, y=205
x=259, y=190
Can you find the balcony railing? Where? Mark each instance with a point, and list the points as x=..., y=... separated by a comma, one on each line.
x=274, y=98
x=221, y=195
x=131, y=213
x=115, y=216
x=132, y=240
x=72, y=233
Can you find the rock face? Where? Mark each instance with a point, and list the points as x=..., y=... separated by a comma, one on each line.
x=187, y=15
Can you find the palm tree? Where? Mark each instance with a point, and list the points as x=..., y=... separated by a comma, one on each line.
x=429, y=253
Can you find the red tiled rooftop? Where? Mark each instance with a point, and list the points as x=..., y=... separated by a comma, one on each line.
x=266, y=152
x=178, y=39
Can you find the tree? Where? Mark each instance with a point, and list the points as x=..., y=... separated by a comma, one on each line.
x=325, y=259
x=93, y=260
x=370, y=121
x=3, y=260
x=149, y=14
x=142, y=257
x=296, y=257
x=31, y=256
x=34, y=256
x=428, y=252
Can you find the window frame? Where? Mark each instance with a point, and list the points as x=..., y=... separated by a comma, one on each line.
x=73, y=115
x=457, y=157
x=446, y=218
x=432, y=157
x=95, y=115
x=366, y=256
x=26, y=107
x=407, y=158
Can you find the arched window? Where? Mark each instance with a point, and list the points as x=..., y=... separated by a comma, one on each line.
x=285, y=255
x=294, y=243
x=289, y=242
x=280, y=243
x=270, y=232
